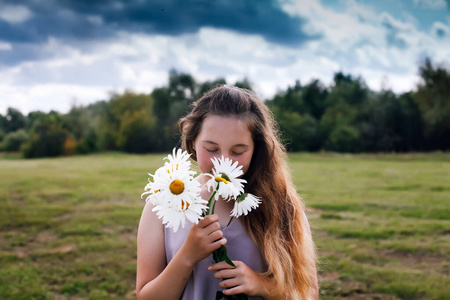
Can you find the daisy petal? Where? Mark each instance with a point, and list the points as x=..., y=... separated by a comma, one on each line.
x=244, y=204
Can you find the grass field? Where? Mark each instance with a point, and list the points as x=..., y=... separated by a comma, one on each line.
x=381, y=224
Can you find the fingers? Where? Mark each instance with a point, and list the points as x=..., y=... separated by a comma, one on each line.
x=235, y=280
x=235, y=290
x=212, y=227
x=215, y=235
x=222, y=265
x=208, y=220
x=229, y=283
x=203, y=238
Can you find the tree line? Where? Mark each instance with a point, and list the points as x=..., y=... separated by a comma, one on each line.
x=345, y=116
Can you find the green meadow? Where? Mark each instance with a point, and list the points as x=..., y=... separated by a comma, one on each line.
x=381, y=224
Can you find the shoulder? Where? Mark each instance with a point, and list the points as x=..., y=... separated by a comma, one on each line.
x=150, y=223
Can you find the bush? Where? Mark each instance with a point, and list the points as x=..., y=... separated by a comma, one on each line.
x=88, y=144
x=69, y=145
x=344, y=138
x=46, y=141
x=299, y=131
x=14, y=140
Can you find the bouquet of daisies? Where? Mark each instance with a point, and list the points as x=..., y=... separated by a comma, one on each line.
x=176, y=195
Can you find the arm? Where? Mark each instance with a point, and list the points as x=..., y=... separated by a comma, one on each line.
x=155, y=280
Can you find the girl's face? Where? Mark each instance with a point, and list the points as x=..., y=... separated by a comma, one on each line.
x=227, y=136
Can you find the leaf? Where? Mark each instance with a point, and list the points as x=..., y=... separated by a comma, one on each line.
x=221, y=255
x=219, y=295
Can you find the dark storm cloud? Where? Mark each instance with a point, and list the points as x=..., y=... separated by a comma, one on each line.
x=93, y=19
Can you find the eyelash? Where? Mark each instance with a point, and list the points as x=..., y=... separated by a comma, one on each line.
x=234, y=153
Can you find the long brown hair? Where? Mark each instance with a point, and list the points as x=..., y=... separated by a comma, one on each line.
x=278, y=226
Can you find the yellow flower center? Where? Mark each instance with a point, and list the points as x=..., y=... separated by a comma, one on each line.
x=177, y=187
x=221, y=179
x=184, y=205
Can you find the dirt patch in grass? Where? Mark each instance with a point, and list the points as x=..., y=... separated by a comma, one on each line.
x=21, y=252
x=369, y=296
x=420, y=260
x=63, y=249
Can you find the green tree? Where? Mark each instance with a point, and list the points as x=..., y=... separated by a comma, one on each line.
x=2, y=137
x=299, y=131
x=47, y=137
x=208, y=85
x=344, y=138
x=244, y=84
x=13, y=120
x=412, y=124
x=128, y=124
x=291, y=100
x=2, y=124
x=433, y=96
x=33, y=117
x=170, y=103
x=380, y=122
x=352, y=90
x=340, y=115
x=314, y=95
x=14, y=140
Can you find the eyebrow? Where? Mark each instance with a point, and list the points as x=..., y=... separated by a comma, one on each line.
x=214, y=143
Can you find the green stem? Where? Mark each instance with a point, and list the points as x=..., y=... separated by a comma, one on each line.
x=210, y=199
x=214, y=206
x=221, y=254
x=209, y=202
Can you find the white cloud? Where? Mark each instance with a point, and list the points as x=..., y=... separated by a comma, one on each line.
x=15, y=14
x=353, y=41
x=46, y=97
x=96, y=20
x=440, y=30
x=431, y=4
x=4, y=46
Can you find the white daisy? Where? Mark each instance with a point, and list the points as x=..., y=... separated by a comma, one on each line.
x=178, y=197
x=179, y=160
x=153, y=193
x=245, y=203
x=225, y=178
x=175, y=193
x=175, y=214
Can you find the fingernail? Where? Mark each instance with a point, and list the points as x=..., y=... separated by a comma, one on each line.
x=210, y=268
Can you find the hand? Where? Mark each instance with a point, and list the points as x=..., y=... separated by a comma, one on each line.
x=239, y=280
x=203, y=239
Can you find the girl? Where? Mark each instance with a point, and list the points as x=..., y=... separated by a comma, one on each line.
x=271, y=247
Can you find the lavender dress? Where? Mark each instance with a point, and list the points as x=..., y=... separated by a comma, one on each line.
x=202, y=285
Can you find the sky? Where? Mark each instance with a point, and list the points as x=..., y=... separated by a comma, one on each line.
x=58, y=53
